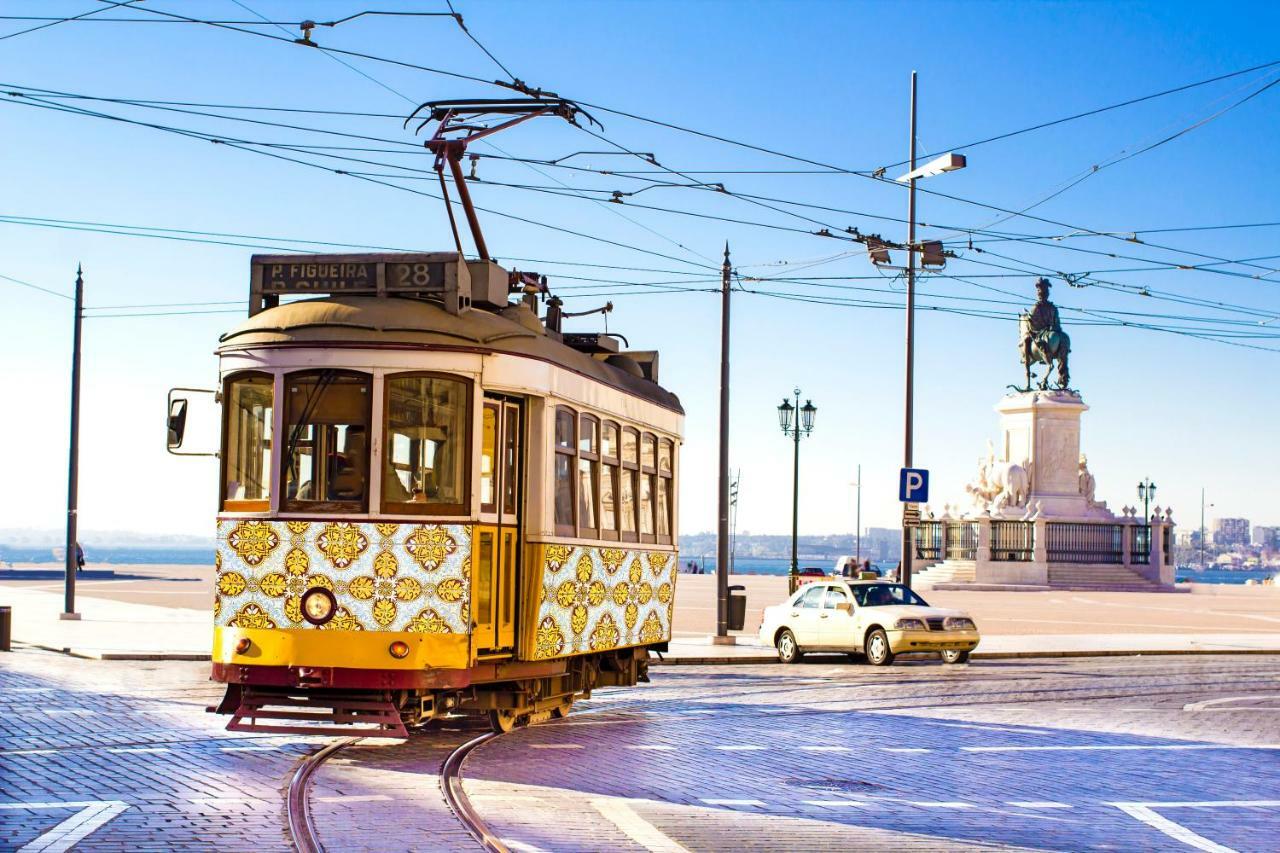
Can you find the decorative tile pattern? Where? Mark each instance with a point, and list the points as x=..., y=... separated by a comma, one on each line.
x=386, y=577
x=596, y=599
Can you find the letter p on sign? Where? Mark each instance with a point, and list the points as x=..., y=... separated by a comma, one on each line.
x=913, y=485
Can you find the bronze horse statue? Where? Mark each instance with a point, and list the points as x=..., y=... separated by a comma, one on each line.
x=1047, y=346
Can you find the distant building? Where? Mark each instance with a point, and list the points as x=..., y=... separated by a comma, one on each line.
x=1187, y=538
x=1230, y=531
x=1266, y=537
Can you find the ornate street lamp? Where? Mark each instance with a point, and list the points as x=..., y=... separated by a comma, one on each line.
x=802, y=427
x=1146, y=494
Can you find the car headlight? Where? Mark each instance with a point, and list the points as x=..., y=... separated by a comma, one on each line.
x=959, y=623
x=318, y=605
x=909, y=625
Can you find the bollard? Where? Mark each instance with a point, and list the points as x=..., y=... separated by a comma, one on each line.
x=6, y=628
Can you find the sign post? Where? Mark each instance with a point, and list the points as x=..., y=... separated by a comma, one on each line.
x=913, y=490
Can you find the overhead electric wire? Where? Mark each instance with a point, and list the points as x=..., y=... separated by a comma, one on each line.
x=19, y=281
x=53, y=22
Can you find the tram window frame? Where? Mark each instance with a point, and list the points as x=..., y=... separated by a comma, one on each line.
x=588, y=447
x=326, y=507
x=648, y=480
x=629, y=468
x=495, y=452
x=242, y=504
x=429, y=508
x=566, y=453
x=666, y=484
x=610, y=478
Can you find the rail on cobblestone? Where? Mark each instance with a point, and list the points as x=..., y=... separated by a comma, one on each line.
x=451, y=785
x=302, y=830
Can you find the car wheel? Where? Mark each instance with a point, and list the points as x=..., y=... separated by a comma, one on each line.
x=955, y=656
x=878, y=651
x=788, y=649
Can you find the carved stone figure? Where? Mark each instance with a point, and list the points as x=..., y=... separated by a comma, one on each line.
x=1042, y=340
x=1088, y=486
x=999, y=485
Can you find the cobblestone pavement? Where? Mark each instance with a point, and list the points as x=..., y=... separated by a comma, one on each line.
x=1104, y=753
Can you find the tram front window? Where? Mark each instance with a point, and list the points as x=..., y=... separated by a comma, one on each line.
x=426, y=447
x=326, y=459
x=247, y=473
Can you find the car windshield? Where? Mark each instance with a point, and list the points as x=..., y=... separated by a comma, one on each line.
x=884, y=594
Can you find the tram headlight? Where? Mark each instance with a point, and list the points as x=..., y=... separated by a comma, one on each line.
x=318, y=605
x=399, y=649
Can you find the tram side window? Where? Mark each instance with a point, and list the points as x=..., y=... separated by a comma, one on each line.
x=648, y=474
x=326, y=457
x=627, y=494
x=566, y=424
x=666, y=449
x=609, y=480
x=426, y=447
x=588, y=474
x=247, y=450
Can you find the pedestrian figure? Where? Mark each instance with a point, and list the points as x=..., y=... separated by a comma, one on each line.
x=866, y=566
x=79, y=558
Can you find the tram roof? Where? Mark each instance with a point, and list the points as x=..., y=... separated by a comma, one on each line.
x=372, y=320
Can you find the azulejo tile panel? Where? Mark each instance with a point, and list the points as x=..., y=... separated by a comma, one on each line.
x=385, y=577
x=594, y=599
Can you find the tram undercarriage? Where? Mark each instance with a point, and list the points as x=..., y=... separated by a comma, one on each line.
x=331, y=700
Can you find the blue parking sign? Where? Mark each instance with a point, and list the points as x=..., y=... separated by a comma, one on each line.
x=913, y=485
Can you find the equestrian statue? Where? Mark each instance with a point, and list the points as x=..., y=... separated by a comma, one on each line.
x=1042, y=340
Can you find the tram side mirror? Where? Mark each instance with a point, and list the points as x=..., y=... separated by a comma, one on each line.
x=177, y=422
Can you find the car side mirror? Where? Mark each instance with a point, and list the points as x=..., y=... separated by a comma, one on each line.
x=845, y=607
x=177, y=422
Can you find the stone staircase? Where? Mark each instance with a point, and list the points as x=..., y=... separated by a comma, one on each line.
x=948, y=571
x=1107, y=578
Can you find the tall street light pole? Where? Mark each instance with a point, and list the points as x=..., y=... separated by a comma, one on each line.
x=1202, y=505
x=857, y=529
x=909, y=425
x=803, y=425
x=73, y=463
x=722, y=533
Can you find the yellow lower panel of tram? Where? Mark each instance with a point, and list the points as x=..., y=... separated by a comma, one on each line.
x=346, y=649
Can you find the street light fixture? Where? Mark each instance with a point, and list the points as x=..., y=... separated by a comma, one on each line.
x=803, y=426
x=1146, y=494
x=946, y=163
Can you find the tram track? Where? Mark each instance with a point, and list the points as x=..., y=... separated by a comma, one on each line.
x=301, y=825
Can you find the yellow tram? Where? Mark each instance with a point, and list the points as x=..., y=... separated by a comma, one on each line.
x=432, y=499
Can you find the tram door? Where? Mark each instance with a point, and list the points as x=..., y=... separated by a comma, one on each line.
x=496, y=561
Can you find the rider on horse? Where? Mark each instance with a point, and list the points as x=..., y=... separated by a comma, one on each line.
x=1043, y=339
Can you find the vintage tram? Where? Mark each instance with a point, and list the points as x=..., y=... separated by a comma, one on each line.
x=432, y=499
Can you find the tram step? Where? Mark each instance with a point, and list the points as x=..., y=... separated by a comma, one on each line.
x=317, y=715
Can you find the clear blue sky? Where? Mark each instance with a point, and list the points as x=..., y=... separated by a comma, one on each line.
x=827, y=81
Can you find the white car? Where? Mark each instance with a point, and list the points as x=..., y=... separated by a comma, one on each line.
x=875, y=618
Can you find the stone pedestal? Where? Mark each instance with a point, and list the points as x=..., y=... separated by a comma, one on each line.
x=1040, y=431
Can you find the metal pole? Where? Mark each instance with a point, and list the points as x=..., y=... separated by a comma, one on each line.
x=795, y=494
x=911, y=327
x=73, y=464
x=722, y=533
x=1202, y=528
x=858, y=529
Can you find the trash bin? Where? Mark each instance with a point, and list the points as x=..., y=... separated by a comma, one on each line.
x=737, y=607
x=6, y=628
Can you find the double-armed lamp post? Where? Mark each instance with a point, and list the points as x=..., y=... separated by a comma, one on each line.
x=796, y=421
x=1146, y=494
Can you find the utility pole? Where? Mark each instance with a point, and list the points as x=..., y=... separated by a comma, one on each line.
x=857, y=531
x=907, y=544
x=722, y=533
x=73, y=465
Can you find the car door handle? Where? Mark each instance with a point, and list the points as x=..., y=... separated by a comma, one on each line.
x=824, y=615
x=795, y=612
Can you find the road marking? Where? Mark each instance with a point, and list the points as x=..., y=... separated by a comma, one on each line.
x=31, y=751
x=941, y=805
x=364, y=798
x=904, y=749
x=987, y=728
x=635, y=827
x=521, y=847
x=1121, y=747
x=826, y=749
x=1145, y=813
x=660, y=747
x=65, y=835
x=739, y=747
x=1039, y=804
x=223, y=801
x=556, y=745
x=503, y=798
x=148, y=749
x=700, y=711
x=835, y=803
x=734, y=803
x=248, y=749
x=1225, y=700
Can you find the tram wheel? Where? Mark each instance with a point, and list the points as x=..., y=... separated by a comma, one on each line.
x=503, y=720
x=955, y=656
